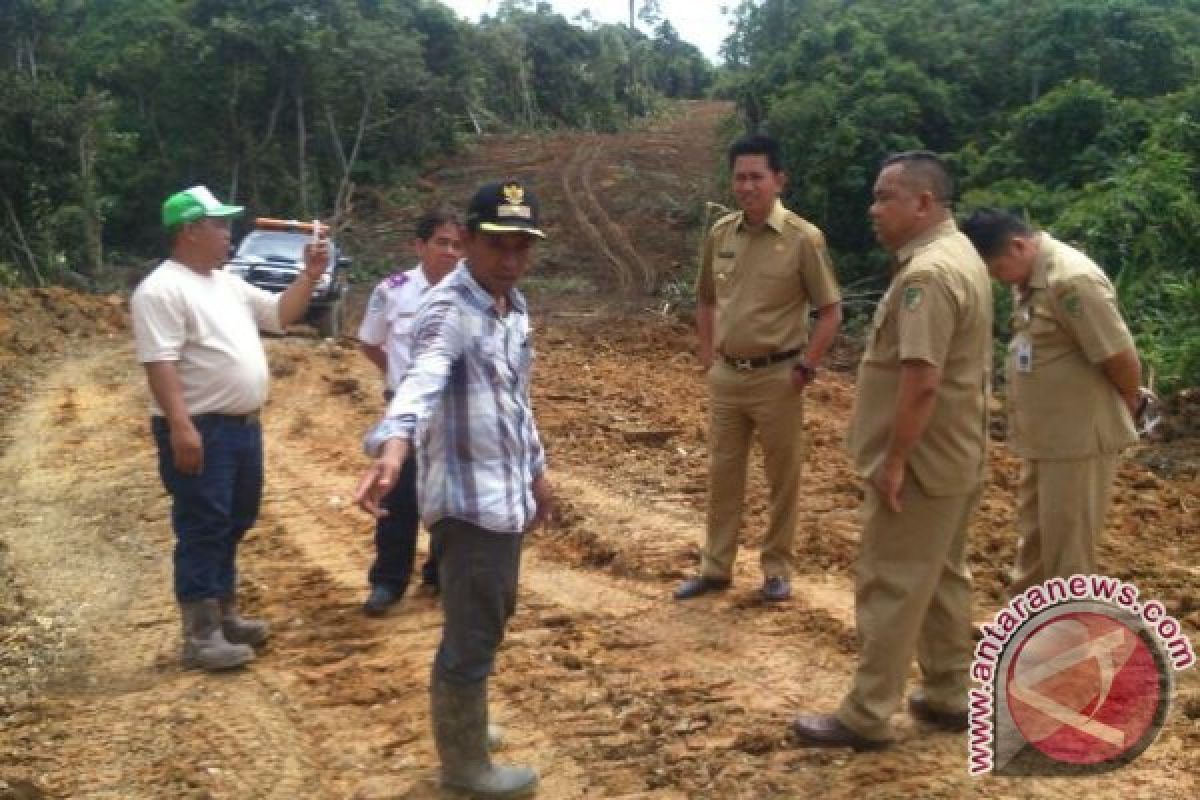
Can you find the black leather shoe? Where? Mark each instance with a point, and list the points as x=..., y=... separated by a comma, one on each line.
x=776, y=589
x=952, y=721
x=694, y=587
x=826, y=730
x=380, y=600
x=429, y=574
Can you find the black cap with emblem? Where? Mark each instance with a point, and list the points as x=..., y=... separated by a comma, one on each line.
x=504, y=207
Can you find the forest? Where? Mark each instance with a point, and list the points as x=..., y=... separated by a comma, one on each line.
x=1082, y=114
x=305, y=105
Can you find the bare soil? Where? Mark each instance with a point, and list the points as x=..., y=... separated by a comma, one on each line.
x=607, y=686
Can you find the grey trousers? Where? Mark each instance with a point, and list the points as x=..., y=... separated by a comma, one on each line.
x=477, y=573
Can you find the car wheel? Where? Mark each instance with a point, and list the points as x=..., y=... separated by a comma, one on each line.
x=329, y=320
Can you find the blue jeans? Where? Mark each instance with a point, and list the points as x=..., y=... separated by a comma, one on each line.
x=211, y=511
x=478, y=571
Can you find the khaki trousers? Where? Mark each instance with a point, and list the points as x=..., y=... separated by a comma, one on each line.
x=912, y=593
x=741, y=403
x=1061, y=507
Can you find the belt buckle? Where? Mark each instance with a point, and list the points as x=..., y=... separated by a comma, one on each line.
x=743, y=364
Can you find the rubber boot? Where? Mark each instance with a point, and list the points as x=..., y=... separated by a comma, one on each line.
x=495, y=738
x=204, y=645
x=238, y=629
x=460, y=730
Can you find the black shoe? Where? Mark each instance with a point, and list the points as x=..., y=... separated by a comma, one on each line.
x=429, y=574
x=776, y=589
x=952, y=721
x=694, y=587
x=380, y=600
x=826, y=730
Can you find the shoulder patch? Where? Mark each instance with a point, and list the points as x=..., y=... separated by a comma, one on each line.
x=396, y=280
x=1071, y=302
x=913, y=296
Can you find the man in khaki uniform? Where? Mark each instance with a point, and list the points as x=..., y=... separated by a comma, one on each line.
x=918, y=435
x=1074, y=381
x=762, y=270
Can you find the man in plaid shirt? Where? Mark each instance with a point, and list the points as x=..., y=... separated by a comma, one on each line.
x=482, y=470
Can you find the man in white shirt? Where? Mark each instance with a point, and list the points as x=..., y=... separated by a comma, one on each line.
x=386, y=337
x=196, y=329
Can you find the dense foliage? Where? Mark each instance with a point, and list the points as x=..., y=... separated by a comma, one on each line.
x=1084, y=114
x=297, y=106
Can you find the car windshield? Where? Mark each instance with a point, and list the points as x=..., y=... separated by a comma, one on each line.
x=275, y=244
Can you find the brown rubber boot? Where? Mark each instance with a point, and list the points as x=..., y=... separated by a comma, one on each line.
x=238, y=629
x=204, y=645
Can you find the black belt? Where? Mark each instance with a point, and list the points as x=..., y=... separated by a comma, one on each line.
x=388, y=394
x=236, y=419
x=747, y=364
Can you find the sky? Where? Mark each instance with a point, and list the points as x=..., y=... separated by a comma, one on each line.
x=697, y=21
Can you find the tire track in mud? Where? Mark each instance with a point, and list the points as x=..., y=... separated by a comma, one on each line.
x=610, y=687
x=606, y=686
x=579, y=680
x=615, y=236
x=89, y=541
x=584, y=210
x=323, y=529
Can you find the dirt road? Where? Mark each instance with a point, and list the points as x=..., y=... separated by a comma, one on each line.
x=607, y=686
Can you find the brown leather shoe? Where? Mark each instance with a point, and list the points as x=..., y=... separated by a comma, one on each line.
x=952, y=721
x=694, y=587
x=826, y=730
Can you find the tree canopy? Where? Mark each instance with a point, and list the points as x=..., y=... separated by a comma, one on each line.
x=106, y=107
x=1082, y=114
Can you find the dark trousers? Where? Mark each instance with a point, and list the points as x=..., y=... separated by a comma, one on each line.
x=478, y=571
x=211, y=511
x=396, y=535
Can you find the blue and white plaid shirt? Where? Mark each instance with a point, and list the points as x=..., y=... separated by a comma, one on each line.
x=465, y=402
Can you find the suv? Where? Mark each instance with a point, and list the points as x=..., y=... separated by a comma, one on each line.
x=272, y=255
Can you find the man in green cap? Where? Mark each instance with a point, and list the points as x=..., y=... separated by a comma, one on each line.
x=196, y=329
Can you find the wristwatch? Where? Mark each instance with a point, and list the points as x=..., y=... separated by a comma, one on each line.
x=809, y=372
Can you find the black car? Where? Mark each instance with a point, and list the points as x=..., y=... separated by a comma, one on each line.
x=272, y=255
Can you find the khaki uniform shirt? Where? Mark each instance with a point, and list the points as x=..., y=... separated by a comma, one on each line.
x=1065, y=323
x=938, y=309
x=764, y=282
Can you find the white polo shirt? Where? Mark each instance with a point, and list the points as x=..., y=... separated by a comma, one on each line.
x=208, y=325
x=388, y=321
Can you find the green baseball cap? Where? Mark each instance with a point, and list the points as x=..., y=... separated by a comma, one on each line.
x=193, y=204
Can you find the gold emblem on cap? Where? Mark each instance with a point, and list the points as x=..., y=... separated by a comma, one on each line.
x=514, y=203
x=514, y=195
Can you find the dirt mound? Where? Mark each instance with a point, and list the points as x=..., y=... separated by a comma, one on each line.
x=36, y=324
x=34, y=321
x=1181, y=415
